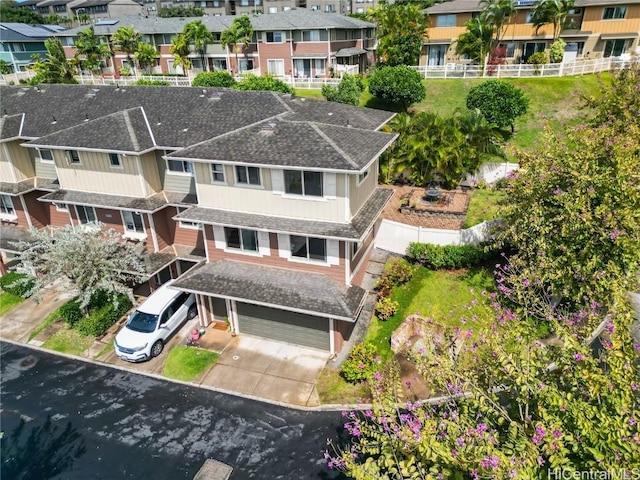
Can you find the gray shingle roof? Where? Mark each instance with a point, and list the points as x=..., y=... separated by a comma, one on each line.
x=286, y=289
x=10, y=126
x=355, y=230
x=126, y=131
x=279, y=143
x=349, y=52
x=455, y=6
x=295, y=19
x=10, y=234
x=33, y=183
x=151, y=203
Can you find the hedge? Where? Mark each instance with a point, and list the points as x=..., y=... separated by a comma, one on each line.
x=17, y=283
x=439, y=257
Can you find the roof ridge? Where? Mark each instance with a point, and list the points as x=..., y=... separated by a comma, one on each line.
x=131, y=130
x=333, y=144
x=146, y=120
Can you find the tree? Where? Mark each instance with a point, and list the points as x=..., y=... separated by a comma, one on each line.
x=401, y=30
x=180, y=50
x=483, y=137
x=239, y=34
x=263, y=82
x=497, y=14
x=221, y=78
x=12, y=12
x=196, y=32
x=55, y=68
x=89, y=51
x=476, y=41
x=556, y=51
x=90, y=259
x=146, y=55
x=180, y=11
x=551, y=11
x=500, y=102
x=126, y=40
x=5, y=67
x=348, y=90
x=401, y=86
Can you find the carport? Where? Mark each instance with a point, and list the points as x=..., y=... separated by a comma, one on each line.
x=308, y=309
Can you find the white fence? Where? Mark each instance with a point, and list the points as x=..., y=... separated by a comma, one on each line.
x=396, y=237
x=489, y=173
x=578, y=67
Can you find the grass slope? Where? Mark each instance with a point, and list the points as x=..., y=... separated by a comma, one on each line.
x=483, y=206
x=8, y=301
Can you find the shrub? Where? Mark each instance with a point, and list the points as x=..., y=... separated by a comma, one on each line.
x=71, y=312
x=385, y=308
x=100, y=319
x=361, y=364
x=401, y=85
x=267, y=82
x=439, y=257
x=397, y=272
x=219, y=78
x=556, y=51
x=500, y=102
x=537, y=59
x=151, y=83
x=19, y=284
x=348, y=90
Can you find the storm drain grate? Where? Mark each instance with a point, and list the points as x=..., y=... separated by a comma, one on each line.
x=213, y=470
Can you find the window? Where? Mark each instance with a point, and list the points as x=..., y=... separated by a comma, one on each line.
x=614, y=13
x=246, y=64
x=311, y=36
x=180, y=166
x=275, y=67
x=248, y=175
x=446, y=21
x=273, y=9
x=309, y=248
x=241, y=239
x=320, y=66
x=86, y=214
x=46, y=156
x=217, y=173
x=360, y=10
x=510, y=49
x=6, y=205
x=297, y=182
x=362, y=176
x=114, y=160
x=188, y=224
x=61, y=207
x=132, y=221
x=328, y=8
x=615, y=48
x=274, y=37
x=529, y=18
x=73, y=156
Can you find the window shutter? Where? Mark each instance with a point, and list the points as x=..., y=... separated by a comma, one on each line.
x=333, y=252
x=264, y=244
x=284, y=246
x=218, y=236
x=329, y=184
x=277, y=180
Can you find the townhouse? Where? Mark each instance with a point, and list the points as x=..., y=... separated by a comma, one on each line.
x=19, y=43
x=263, y=204
x=299, y=42
x=594, y=29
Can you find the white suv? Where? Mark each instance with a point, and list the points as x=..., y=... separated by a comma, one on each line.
x=147, y=330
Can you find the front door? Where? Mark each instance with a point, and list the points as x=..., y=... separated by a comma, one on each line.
x=303, y=68
x=532, y=47
x=437, y=54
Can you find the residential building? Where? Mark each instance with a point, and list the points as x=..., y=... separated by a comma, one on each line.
x=298, y=42
x=55, y=7
x=19, y=42
x=595, y=29
x=105, y=9
x=268, y=202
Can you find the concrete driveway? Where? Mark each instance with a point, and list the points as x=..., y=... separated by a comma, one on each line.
x=267, y=369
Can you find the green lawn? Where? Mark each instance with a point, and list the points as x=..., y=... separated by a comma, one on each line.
x=68, y=341
x=8, y=301
x=441, y=295
x=186, y=363
x=52, y=317
x=309, y=93
x=332, y=388
x=483, y=206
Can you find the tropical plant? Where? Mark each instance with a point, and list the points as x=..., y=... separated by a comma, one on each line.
x=497, y=14
x=180, y=50
x=556, y=51
x=5, y=67
x=220, y=78
x=196, y=32
x=180, y=11
x=13, y=12
x=484, y=137
x=55, y=68
x=400, y=86
x=238, y=35
x=476, y=41
x=500, y=102
x=401, y=30
x=146, y=55
x=126, y=40
x=551, y=11
x=90, y=259
x=90, y=52
x=348, y=90
x=537, y=59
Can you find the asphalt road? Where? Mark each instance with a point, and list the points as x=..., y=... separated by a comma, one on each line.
x=84, y=421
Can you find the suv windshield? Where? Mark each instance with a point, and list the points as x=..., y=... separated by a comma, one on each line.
x=142, y=322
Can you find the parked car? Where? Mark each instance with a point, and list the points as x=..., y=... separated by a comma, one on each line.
x=153, y=322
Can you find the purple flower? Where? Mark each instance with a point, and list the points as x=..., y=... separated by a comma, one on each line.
x=557, y=433
x=632, y=421
x=526, y=282
x=454, y=453
x=578, y=357
x=377, y=376
x=490, y=462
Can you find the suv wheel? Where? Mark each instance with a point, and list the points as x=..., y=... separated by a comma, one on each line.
x=156, y=349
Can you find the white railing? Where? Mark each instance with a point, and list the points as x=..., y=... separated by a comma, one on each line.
x=578, y=67
x=350, y=69
x=395, y=237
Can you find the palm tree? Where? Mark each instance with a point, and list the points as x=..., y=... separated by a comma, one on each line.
x=497, y=14
x=552, y=11
x=476, y=42
x=89, y=51
x=126, y=40
x=196, y=32
x=56, y=68
x=180, y=50
x=484, y=137
x=146, y=55
x=239, y=33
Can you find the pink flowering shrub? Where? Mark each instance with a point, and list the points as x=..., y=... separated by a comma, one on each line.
x=361, y=364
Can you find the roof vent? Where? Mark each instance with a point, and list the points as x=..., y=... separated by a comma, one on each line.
x=216, y=96
x=54, y=121
x=267, y=129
